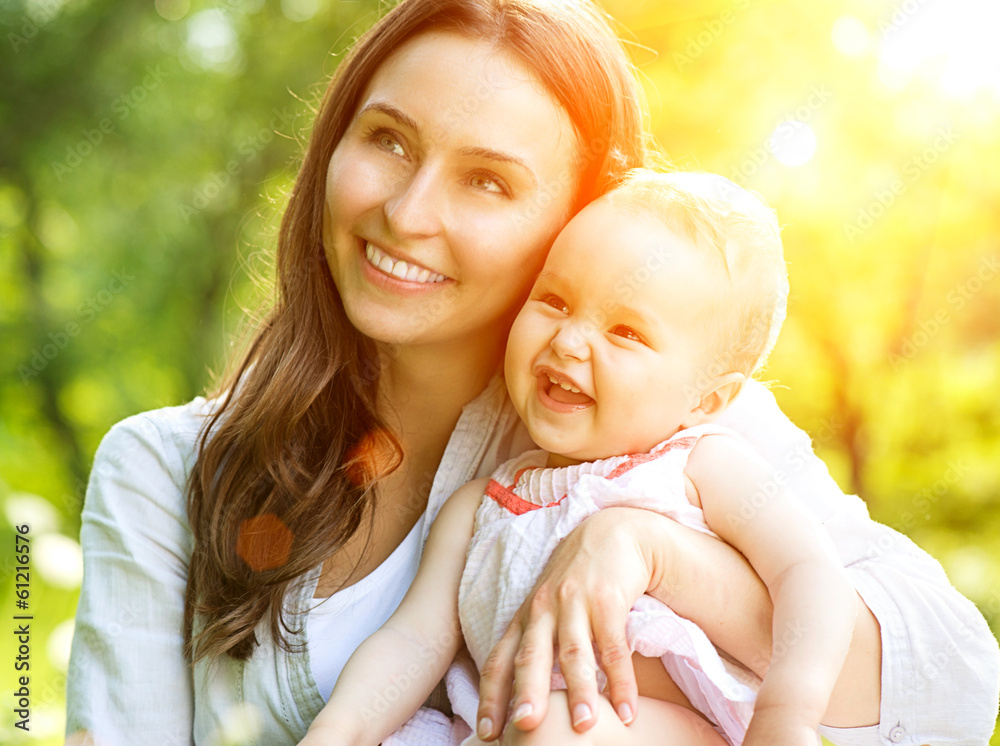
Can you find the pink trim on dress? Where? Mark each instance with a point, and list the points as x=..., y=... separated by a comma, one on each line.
x=506, y=498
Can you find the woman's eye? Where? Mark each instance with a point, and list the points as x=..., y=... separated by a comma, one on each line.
x=488, y=183
x=387, y=141
x=554, y=301
x=628, y=333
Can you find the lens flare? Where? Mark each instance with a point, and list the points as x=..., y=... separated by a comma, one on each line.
x=373, y=457
x=264, y=542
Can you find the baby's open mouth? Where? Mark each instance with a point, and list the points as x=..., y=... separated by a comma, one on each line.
x=565, y=392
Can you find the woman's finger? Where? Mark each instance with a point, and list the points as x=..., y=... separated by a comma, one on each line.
x=533, y=667
x=495, y=680
x=615, y=658
x=578, y=665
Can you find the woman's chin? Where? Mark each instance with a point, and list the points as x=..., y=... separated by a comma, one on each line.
x=396, y=329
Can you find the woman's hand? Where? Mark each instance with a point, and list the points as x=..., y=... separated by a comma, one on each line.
x=580, y=602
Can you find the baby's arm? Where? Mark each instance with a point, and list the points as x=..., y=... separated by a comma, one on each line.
x=416, y=644
x=815, y=605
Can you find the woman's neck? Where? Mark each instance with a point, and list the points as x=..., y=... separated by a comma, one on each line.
x=423, y=390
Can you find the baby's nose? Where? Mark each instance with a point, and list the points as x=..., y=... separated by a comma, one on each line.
x=571, y=342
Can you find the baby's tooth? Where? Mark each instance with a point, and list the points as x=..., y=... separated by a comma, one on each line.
x=369, y=251
x=412, y=272
x=399, y=270
x=385, y=264
x=424, y=274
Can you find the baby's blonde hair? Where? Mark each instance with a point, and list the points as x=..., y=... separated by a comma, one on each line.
x=716, y=214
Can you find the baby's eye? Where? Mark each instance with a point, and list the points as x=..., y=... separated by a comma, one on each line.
x=628, y=333
x=554, y=301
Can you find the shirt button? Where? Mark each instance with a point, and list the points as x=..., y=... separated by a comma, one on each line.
x=896, y=734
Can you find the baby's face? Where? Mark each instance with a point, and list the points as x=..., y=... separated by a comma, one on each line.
x=613, y=345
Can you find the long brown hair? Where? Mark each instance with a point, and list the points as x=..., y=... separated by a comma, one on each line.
x=276, y=487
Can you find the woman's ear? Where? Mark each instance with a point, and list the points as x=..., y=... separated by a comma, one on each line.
x=716, y=398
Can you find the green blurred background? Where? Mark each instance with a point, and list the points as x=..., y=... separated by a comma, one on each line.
x=146, y=150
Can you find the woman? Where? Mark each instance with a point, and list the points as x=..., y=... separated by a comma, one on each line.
x=264, y=533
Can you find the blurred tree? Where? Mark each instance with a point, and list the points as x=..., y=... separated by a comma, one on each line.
x=146, y=149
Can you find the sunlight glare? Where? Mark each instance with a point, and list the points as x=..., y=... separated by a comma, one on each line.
x=850, y=36
x=793, y=143
x=951, y=43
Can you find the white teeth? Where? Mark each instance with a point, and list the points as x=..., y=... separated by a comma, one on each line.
x=400, y=269
x=563, y=384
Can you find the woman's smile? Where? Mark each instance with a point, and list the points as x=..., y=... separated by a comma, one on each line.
x=401, y=269
x=387, y=274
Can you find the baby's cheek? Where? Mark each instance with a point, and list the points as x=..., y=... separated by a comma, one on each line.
x=642, y=404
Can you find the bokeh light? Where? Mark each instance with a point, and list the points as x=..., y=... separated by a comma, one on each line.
x=212, y=42
x=374, y=456
x=173, y=10
x=264, y=542
x=851, y=37
x=793, y=143
x=58, y=560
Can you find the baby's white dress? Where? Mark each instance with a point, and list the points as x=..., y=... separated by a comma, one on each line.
x=526, y=511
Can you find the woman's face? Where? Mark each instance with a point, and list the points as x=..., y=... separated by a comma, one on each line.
x=452, y=180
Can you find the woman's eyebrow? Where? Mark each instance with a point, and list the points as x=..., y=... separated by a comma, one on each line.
x=496, y=155
x=390, y=111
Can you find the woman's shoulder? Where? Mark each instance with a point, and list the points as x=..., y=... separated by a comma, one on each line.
x=175, y=428
x=146, y=459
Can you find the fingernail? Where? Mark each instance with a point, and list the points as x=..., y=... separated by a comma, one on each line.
x=581, y=714
x=523, y=710
x=485, y=727
x=625, y=713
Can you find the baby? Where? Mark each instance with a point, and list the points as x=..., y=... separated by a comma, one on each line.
x=655, y=304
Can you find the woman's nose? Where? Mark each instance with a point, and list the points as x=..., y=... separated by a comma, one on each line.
x=414, y=207
x=570, y=342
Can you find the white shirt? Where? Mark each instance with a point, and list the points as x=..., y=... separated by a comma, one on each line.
x=128, y=682
x=339, y=624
